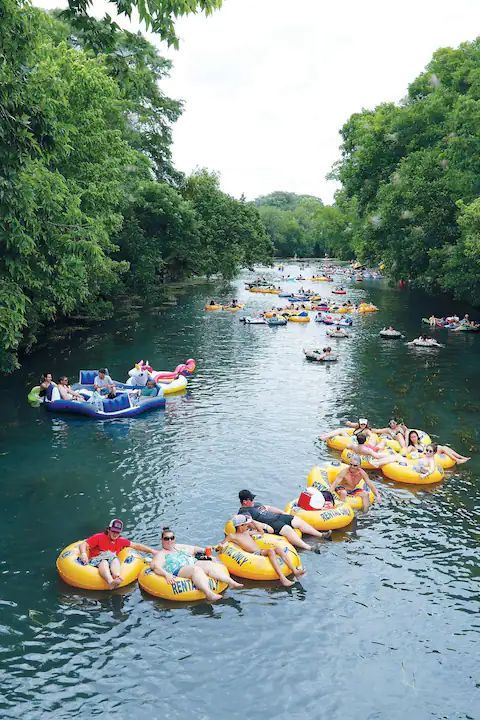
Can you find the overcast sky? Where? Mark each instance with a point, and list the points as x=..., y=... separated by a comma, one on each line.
x=267, y=84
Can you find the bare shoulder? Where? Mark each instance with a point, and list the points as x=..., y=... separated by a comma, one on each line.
x=187, y=548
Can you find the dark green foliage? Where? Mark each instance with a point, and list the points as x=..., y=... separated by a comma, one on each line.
x=158, y=15
x=137, y=68
x=231, y=230
x=411, y=173
x=159, y=237
x=85, y=135
x=301, y=225
x=61, y=188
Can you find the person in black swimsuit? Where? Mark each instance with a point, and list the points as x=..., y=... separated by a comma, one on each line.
x=45, y=381
x=276, y=521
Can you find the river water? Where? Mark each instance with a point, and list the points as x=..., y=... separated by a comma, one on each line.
x=385, y=623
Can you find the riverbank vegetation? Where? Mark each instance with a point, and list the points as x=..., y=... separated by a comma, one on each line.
x=410, y=186
x=410, y=174
x=91, y=206
x=93, y=209
x=302, y=225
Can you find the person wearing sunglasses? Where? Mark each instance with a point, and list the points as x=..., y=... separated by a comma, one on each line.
x=177, y=560
x=425, y=465
x=66, y=392
x=347, y=481
x=415, y=444
x=396, y=429
x=101, y=550
x=360, y=427
x=375, y=457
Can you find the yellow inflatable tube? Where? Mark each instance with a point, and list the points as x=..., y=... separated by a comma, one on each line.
x=340, y=442
x=395, y=445
x=213, y=307
x=364, y=462
x=170, y=387
x=266, y=291
x=74, y=573
x=322, y=477
x=183, y=590
x=392, y=444
x=441, y=459
x=229, y=308
x=258, y=567
x=404, y=471
x=331, y=519
x=299, y=318
x=229, y=529
x=278, y=313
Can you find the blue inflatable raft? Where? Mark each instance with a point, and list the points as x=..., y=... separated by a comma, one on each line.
x=125, y=405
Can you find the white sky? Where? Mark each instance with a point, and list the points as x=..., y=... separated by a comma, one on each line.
x=267, y=84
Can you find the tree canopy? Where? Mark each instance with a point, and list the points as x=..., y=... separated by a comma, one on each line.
x=302, y=225
x=158, y=15
x=90, y=204
x=411, y=173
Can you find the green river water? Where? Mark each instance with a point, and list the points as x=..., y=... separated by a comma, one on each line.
x=385, y=623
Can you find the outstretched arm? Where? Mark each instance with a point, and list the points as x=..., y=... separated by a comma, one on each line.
x=338, y=431
x=381, y=430
x=142, y=548
x=274, y=509
x=372, y=487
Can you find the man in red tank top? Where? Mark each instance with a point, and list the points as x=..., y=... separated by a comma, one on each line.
x=101, y=550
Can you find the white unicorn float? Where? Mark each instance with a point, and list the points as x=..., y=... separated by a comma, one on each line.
x=170, y=382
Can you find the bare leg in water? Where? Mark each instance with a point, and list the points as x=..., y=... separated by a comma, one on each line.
x=111, y=574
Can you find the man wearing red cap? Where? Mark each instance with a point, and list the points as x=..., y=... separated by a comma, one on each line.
x=101, y=550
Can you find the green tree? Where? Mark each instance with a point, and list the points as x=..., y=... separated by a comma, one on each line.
x=301, y=225
x=138, y=69
x=283, y=230
x=285, y=200
x=158, y=15
x=231, y=230
x=62, y=185
x=456, y=267
x=159, y=237
x=411, y=172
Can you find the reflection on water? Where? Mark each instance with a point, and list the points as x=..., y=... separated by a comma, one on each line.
x=384, y=623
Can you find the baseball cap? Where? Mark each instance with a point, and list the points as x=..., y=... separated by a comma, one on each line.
x=116, y=525
x=362, y=421
x=238, y=520
x=245, y=495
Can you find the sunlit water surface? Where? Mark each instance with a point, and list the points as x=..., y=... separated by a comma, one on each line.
x=384, y=624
